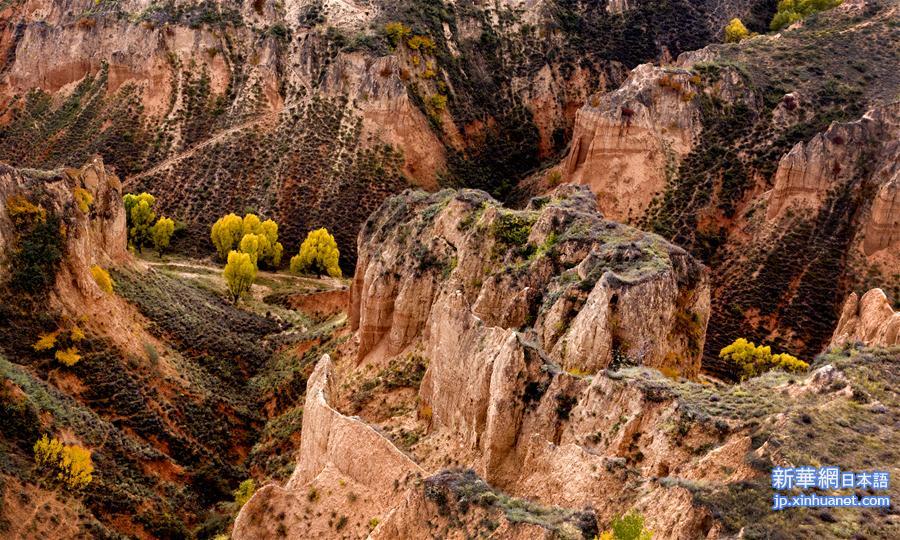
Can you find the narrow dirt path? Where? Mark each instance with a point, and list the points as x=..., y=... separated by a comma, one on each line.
x=218, y=137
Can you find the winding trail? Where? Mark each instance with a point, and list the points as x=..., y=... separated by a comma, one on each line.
x=218, y=137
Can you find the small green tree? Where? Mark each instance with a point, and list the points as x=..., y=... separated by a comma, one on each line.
x=226, y=234
x=627, y=527
x=239, y=274
x=161, y=233
x=244, y=491
x=791, y=11
x=735, y=31
x=140, y=216
x=318, y=255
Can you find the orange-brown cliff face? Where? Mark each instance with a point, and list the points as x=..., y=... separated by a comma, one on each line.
x=305, y=110
x=582, y=285
x=94, y=237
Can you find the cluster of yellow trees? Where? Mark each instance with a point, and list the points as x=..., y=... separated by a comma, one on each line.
x=752, y=360
x=68, y=463
x=247, y=243
x=142, y=230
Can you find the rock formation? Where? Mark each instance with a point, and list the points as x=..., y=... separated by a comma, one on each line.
x=582, y=286
x=95, y=237
x=339, y=456
x=305, y=110
x=869, y=320
x=812, y=168
x=520, y=434
x=747, y=180
x=628, y=142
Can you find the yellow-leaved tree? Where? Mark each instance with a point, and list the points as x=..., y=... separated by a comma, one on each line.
x=735, y=31
x=226, y=234
x=239, y=274
x=253, y=245
x=161, y=233
x=69, y=463
x=751, y=360
x=229, y=232
x=139, y=215
x=318, y=255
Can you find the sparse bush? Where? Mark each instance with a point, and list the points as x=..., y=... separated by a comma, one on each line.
x=22, y=211
x=68, y=463
x=752, y=360
x=735, y=31
x=423, y=43
x=244, y=491
x=161, y=233
x=46, y=342
x=627, y=527
x=319, y=255
x=102, y=278
x=68, y=357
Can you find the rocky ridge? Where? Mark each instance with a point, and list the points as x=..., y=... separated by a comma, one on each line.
x=517, y=438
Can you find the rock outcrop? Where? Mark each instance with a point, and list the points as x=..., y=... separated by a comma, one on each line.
x=846, y=150
x=339, y=456
x=627, y=143
x=583, y=287
x=96, y=236
x=870, y=320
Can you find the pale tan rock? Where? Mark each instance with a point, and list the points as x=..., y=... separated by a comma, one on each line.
x=870, y=320
x=338, y=455
x=627, y=142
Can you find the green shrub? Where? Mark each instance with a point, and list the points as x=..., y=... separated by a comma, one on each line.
x=38, y=246
x=397, y=32
x=791, y=11
x=627, y=527
x=244, y=491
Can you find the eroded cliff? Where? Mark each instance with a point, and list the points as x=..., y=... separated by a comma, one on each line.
x=458, y=361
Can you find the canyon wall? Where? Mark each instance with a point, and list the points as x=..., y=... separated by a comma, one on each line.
x=786, y=187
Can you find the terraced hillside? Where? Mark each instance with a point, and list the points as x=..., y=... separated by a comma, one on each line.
x=361, y=98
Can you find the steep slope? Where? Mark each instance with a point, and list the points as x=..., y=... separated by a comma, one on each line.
x=774, y=160
x=176, y=393
x=472, y=93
